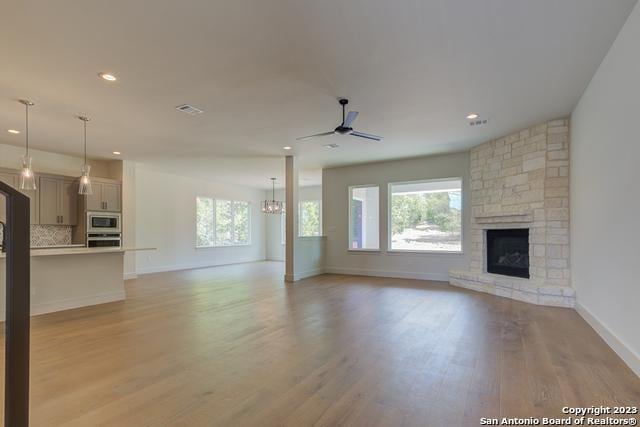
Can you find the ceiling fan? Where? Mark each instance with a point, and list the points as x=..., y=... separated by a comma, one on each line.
x=345, y=127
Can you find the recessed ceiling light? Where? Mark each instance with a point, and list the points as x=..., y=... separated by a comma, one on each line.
x=108, y=77
x=286, y=147
x=117, y=153
x=13, y=131
x=331, y=146
x=472, y=116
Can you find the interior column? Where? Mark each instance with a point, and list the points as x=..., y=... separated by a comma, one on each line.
x=291, y=191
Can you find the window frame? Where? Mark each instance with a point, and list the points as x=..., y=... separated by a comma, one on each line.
x=349, y=230
x=300, y=202
x=214, y=225
x=424, y=252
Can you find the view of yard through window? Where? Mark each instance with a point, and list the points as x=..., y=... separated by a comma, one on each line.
x=309, y=218
x=426, y=216
x=222, y=222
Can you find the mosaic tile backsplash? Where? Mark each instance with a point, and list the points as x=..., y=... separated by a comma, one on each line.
x=48, y=235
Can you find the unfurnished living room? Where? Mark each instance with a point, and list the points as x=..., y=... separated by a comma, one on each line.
x=319, y=213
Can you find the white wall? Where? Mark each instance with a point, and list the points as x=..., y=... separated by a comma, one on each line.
x=129, y=217
x=274, y=246
x=165, y=213
x=335, y=183
x=605, y=199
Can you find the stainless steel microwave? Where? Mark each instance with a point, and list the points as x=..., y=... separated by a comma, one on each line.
x=100, y=222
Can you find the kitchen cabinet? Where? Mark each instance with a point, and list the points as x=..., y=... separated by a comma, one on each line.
x=58, y=201
x=106, y=196
x=9, y=179
x=13, y=179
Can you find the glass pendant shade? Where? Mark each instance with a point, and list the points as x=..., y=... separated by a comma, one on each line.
x=84, y=187
x=272, y=206
x=85, y=182
x=27, y=178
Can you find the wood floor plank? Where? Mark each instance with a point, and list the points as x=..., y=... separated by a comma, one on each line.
x=237, y=346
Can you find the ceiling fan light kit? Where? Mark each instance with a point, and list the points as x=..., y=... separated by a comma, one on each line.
x=345, y=127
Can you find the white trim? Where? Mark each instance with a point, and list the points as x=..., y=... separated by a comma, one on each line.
x=630, y=357
x=129, y=276
x=349, y=231
x=423, y=181
x=303, y=275
x=232, y=207
x=190, y=266
x=71, y=303
x=414, y=252
x=394, y=274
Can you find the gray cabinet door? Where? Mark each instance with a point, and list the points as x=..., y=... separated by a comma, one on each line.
x=34, y=205
x=68, y=191
x=111, y=197
x=49, y=201
x=94, y=201
x=9, y=179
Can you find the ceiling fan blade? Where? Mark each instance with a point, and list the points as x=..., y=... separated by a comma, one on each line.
x=366, y=135
x=351, y=116
x=316, y=135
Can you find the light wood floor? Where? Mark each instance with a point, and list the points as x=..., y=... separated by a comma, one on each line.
x=235, y=346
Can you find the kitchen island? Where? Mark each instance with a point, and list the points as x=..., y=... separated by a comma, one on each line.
x=70, y=277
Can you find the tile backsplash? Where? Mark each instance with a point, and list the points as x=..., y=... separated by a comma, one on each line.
x=48, y=235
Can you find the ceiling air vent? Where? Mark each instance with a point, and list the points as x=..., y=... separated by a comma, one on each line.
x=189, y=109
x=478, y=122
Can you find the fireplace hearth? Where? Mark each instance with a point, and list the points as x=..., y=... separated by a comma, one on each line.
x=508, y=252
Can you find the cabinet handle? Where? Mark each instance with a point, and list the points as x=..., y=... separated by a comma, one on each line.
x=106, y=205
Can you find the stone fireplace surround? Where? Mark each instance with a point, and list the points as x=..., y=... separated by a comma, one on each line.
x=522, y=181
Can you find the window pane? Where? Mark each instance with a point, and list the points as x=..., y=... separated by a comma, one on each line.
x=363, y=218
x=223, y=223
x=309, y=217
x=426, y=216
x=204, y=222
x=241, y=222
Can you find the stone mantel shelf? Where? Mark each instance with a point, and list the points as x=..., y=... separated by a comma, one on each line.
x=504, y=218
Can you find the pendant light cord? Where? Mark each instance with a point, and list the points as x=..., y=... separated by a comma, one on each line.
x=85, y=142
x=273, y=190
x=26, y=132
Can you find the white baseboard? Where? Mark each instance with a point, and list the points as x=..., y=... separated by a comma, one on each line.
x=631, y=358
x=441, y=277
x=305, y=274
x=190, y=266
x=70, y=303
x=129, y=276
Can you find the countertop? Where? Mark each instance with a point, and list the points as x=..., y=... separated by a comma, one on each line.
x=74, y=250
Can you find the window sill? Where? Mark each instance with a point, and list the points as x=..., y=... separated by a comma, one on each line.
x=223, y=246
x=412, y=252
x=364, y=250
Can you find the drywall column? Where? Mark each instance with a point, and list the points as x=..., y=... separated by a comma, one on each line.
x=291, y=197
x=129, y=217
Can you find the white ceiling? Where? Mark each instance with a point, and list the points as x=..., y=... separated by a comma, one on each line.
x=266, y=72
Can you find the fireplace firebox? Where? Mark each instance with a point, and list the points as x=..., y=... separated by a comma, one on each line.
x=508, y=252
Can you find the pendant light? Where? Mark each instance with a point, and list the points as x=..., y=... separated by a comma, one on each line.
x=85, y=182
x=272, y=206
x=27, y=179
